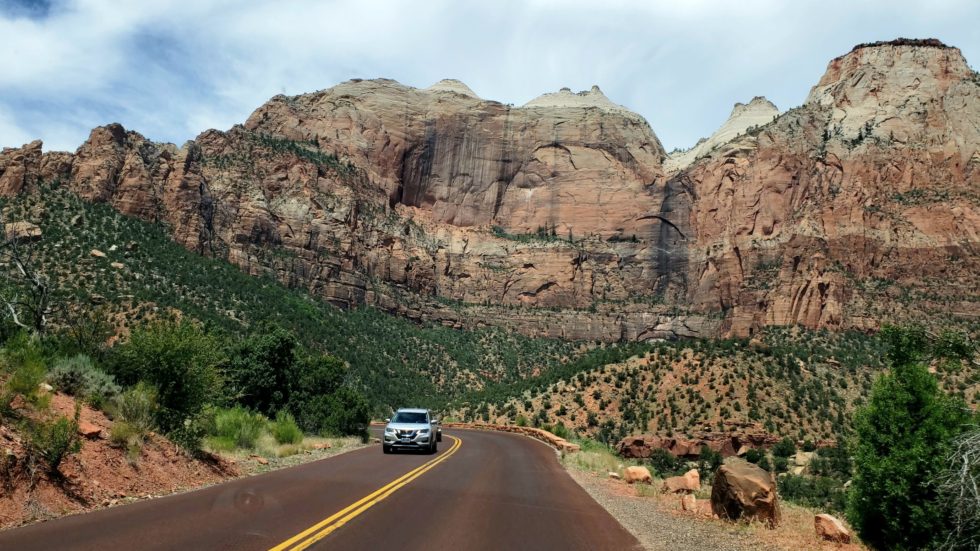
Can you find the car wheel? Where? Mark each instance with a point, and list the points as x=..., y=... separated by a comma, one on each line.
x=385, y=449
x=439, y=436
x=435, y=447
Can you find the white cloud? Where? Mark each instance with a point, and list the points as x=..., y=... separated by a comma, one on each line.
x=171, y=68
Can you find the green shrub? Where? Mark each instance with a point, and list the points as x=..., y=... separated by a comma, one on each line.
x=818, y=492
x=560, y=430
x=180, y=360
x=755, y=456
x=780, y=464
x=708, y=462
x=521, y=421
x=285, y=430
x=903, y=434
x=138, y=406
x=53, y=440
x=784, y=448
x=78, y=376
x=323, y=402
x=261, y=370
x=238, y=425
x=664, y=463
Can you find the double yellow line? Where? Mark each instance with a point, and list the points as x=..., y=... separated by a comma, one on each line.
x=325, y=527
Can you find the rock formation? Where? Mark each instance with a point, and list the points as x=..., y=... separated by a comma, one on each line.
x=745, y=117
x=559, y=218
x=741, y=490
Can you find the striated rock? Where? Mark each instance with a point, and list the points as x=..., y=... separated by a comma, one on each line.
x=637, y=474
x=743, y=490
x=560, y=219
x=830, y=528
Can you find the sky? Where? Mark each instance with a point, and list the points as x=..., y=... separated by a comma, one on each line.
x=171, y=69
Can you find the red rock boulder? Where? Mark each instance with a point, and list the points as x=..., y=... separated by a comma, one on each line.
x=830, y=528
x=743, y=490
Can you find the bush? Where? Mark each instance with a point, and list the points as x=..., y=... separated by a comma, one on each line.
x=78, y=376
x=137, y=407
x=784, y=448
x=818, y=492
x=261, y=370
x=52, y=441
x=780, y=464
x=560, y=430
x=239, y=426
x=323, y=403
x=755, y=456
x=664, y=463
x=285, y=430
x=521, y=421
x=903, y=434
x=23, y=360
x=708, y=462
x=180, y=360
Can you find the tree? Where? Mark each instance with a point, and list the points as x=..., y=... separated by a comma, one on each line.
x=323, y=401
x=260, y=370
x=180, y=360
x=902, y=434
x=24, y=290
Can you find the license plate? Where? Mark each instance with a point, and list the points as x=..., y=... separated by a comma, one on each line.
x=405, y=440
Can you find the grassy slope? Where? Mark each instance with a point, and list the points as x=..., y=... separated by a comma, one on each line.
x=396, y=361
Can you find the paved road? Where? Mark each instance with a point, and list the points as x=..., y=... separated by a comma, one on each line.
x=488, y=491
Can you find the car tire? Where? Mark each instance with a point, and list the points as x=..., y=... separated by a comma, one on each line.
x=435, y=447
x=385, y=449
x=439, y=436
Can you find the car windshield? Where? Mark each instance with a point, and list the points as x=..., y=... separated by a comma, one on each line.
x=409, y=417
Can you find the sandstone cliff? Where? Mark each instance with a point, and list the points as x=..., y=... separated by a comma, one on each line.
x=745, y=116
x=559, y=218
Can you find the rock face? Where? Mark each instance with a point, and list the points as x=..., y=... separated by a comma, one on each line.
x=727, y=444
x=745, y=116
x=743, y=490
x=830, y=528
x=558, y=218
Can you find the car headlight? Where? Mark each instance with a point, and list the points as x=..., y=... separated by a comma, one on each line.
x=389, y=430
x=424, y=431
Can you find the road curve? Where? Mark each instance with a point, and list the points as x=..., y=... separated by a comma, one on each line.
x=496, y=491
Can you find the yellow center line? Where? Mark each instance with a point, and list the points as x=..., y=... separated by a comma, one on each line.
x=323, y=528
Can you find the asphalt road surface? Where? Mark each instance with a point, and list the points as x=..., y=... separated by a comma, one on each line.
x=483, y=490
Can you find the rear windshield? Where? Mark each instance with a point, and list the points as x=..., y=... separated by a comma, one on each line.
x=409, y=417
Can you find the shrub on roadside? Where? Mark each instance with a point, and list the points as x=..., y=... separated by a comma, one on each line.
x=819, y=492
x=237, y=426
x=285, y=430
x=52, y=440
x=135, y=411
x=78, y=376
x=664, y=463
x=784, y=448
x=181, y=361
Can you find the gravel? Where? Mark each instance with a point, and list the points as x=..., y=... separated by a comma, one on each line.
x=657, y=528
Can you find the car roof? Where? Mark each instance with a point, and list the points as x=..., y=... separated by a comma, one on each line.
x=412, y=410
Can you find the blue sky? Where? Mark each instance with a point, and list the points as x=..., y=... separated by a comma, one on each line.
x=171, y=69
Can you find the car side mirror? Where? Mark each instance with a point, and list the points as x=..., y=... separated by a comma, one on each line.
x=435, y=421
x=387, y=419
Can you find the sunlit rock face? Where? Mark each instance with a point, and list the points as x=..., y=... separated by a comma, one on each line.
x=560, y=218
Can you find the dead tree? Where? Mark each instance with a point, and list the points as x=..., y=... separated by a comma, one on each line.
x=960, y=485
x=25, y=295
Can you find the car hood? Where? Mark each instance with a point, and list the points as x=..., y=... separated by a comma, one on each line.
x=408, y=426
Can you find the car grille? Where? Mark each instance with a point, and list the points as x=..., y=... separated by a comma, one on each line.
x=405, y=433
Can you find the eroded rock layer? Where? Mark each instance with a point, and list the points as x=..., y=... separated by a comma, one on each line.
x=559, y=219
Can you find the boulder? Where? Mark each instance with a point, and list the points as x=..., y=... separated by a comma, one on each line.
x=262, y=460
x=689, y=482
x=88, y=430
x=97, y=253
x=614, y=476
x=689, y=503
x=830, y=528
x=22, y=231
x=743, y=490
x=637, y=474
x=117, y=265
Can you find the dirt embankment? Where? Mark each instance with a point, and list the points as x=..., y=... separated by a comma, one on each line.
x=99, y=475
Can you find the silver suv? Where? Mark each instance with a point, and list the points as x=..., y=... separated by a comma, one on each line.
x=412, y=429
